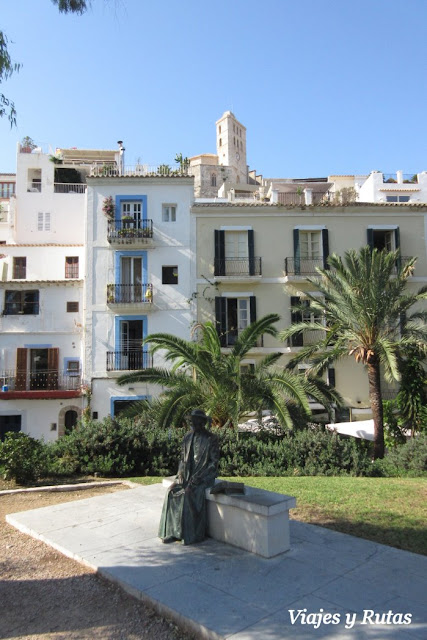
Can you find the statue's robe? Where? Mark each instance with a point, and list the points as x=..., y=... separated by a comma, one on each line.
x=184, y=508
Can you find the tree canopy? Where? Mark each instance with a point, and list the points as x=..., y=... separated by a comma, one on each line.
x=203, y=375
x=367, y=311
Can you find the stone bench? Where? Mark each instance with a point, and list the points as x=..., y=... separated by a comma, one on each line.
x=257, y=521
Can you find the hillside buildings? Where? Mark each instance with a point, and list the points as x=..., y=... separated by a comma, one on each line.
x=96, y=256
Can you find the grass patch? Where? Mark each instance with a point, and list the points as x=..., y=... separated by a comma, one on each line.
x=391, y=511
x=145, y=479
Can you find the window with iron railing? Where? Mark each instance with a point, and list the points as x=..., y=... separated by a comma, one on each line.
x=72, y=267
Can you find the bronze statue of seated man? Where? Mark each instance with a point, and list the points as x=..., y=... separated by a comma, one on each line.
x=184, y=509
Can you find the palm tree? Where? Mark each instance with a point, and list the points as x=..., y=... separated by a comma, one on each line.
x=364, y=300
x=203, y=375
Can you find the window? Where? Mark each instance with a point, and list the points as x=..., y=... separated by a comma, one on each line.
x=169, y=213
x=311, y=250
x=72, y=267
x=43, y=221
x=9, y=424
x=36, y=369
x=19, y=268
x=387, y=239
x=247, y=368
x=72, y=307
x=7, y=189
x=73, y=367
x=21, y=302
x=398, y=198
x=232, y=316
x=131, y=214
x=170, y=275
x=308, y=315
x=213, y=180
x=219, y=129
x=234, y=253
x=310, y=244
x=220, y=142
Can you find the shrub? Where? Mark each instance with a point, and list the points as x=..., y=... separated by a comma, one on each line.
x=116, y=447
x=408, y=459
x=23, y=458
x=312, y=451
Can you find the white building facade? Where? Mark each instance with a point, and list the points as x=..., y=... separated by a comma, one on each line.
x=140, y=266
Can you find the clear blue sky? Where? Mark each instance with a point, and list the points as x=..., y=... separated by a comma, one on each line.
x=323, y=86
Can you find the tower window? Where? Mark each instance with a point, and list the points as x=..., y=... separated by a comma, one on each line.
x=213, y=180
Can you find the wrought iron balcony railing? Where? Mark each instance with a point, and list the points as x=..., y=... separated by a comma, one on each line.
x=120, y=229
x=302, y=266
x=129, y=293
x=129, y=360
x=238, y=267
x=45, y=380
x=63, y=187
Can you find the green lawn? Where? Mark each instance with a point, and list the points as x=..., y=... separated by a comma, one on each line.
x=387, y=510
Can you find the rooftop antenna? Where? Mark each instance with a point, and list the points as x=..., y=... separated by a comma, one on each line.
x=122, y=157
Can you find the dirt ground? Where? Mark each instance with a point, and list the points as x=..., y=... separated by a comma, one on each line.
x=46, y=596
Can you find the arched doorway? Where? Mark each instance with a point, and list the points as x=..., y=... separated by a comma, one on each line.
x=70, y=420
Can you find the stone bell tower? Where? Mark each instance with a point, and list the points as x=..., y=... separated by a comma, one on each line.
x=231, y=145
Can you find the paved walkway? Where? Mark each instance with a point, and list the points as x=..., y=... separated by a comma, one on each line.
x=224, y=592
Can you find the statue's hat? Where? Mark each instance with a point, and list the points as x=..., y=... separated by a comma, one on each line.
x=199, y=413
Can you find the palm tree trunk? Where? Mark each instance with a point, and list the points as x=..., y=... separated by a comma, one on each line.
x=375, y=400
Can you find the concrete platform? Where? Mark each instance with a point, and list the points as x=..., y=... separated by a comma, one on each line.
x=226, y=593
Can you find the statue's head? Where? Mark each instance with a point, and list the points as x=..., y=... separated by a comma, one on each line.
x=198, y=419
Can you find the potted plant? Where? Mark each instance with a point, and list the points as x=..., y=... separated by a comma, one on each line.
x=27, y=144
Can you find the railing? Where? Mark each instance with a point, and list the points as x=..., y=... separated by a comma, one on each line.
x=307, y=338
x=129, y=229
x=408, y=178
x=39, y=381
x=34, y=187
x=129, y=360
x=296, y=198
x=230, y=338
x=62, y=187
x=237, y=267
x=142, y=170
x=302, y=266
x=129, y=293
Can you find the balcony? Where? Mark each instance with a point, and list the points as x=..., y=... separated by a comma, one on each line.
x=139, y=171
x=60, y=187
x=136, y=232
x=34, y=186
x=130, y=294
x=295, y=198
x=129, y=360
x=238, y=269
x=39, y=384
x=306, y=339
x=302, y=266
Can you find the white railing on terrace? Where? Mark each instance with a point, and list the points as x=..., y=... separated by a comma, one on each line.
x=139, y=170
x=61, y=187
